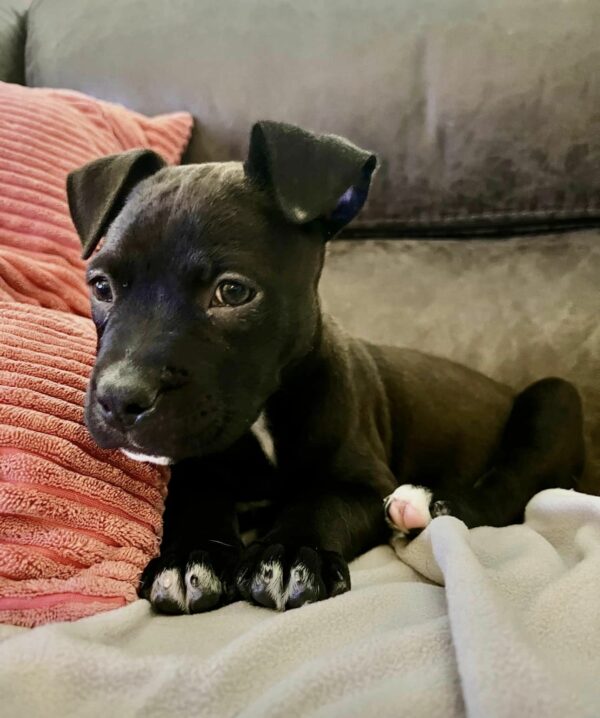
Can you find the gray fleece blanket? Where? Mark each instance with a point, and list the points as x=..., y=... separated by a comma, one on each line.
x=490, y=622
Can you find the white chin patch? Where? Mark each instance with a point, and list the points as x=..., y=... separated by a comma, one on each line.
x=148, y=458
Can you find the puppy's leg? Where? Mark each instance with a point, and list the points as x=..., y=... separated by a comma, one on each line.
x=304, y=558
x=201, y=545
x=542, y=447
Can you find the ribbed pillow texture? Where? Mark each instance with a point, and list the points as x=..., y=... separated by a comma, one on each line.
x=77, y=523
x=44, y=134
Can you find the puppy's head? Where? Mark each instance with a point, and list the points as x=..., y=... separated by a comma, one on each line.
x=204, y=291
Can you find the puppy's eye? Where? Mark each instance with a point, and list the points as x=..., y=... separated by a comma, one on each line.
x=101, y=289
x=231, y=293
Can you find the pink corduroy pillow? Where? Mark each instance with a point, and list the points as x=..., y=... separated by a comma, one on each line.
x=77, y=523
x=44, y=134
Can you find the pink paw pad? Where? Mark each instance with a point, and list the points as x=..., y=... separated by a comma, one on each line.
x=408, y=508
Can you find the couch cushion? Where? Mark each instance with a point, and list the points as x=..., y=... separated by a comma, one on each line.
x=44, y=134
x=484, y=114
x=12, y=40
x=516, y=309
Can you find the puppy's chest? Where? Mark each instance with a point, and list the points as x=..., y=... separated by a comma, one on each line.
x=285, y=462
x=291, y=447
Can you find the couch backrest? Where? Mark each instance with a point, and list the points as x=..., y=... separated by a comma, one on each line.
x=484, y=112
x=12, y=40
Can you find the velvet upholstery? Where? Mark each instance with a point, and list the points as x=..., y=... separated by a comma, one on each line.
x=483, y=113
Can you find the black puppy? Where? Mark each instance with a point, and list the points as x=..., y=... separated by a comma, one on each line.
x=214, y=356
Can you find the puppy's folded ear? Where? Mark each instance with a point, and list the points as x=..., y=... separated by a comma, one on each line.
x=312, y=177
x=97, y=191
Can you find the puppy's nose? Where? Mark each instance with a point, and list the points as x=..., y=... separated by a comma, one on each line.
x=125, y=401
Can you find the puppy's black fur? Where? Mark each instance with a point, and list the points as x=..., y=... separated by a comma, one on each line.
x=208, y=317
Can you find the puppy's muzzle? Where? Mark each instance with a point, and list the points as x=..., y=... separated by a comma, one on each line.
x=126, y=396
x=124, y=400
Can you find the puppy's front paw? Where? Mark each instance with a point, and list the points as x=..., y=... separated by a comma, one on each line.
x=409, y=509
x=191, y=582
x=281, y=577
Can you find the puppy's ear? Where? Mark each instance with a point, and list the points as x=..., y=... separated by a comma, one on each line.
x=311, y=176
x=97, y=191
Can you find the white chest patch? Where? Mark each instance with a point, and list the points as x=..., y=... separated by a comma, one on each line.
x=261, y=431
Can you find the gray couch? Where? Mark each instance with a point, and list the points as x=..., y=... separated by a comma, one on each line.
x=484, y=115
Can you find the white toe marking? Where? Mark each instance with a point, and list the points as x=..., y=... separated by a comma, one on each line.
x=417, y=496
x=200, y=579
x=261, y=431
x=301, y=579
x=167, y=585
x=160, y=460
x=269, y=576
